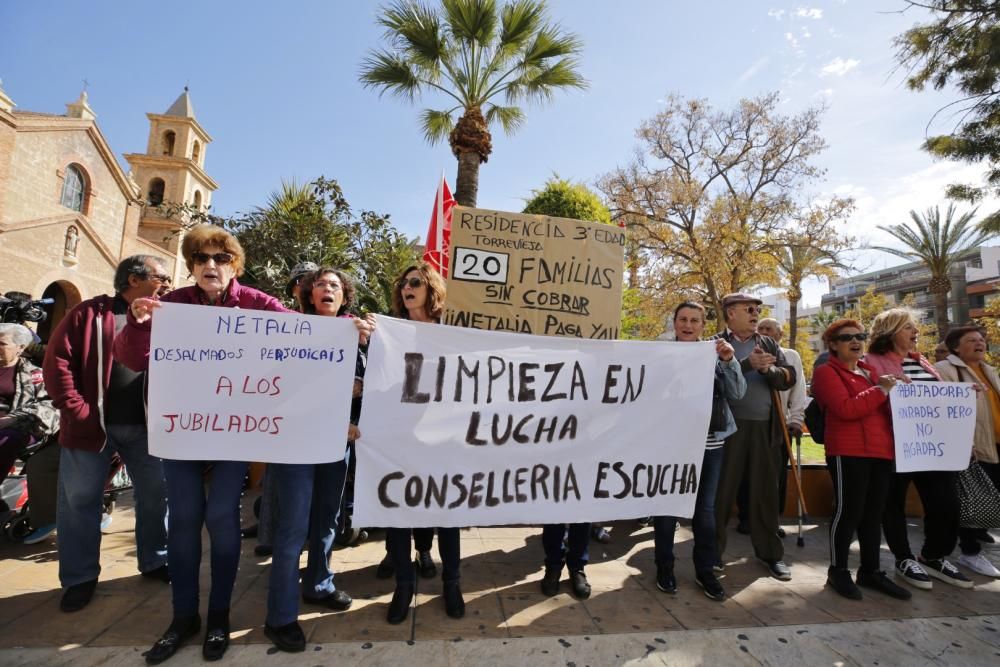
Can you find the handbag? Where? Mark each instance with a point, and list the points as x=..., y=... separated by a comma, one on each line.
x=815, y=420
x=979, y=500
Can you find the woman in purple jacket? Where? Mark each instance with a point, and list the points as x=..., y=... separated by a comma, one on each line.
x=215, y=258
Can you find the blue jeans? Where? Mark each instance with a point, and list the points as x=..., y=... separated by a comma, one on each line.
x=705, y=553
x=308, y=498
x=575, y=554
x=82, y=477
x=219, y=511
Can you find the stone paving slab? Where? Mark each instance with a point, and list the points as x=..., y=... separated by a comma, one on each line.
x=626, y=618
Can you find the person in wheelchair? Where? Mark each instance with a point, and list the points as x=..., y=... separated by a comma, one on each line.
x=27, y=415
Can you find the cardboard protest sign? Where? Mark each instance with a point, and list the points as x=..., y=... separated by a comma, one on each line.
x=471, y=428
x=933, y=423
x=246, y=385
x=534, y=274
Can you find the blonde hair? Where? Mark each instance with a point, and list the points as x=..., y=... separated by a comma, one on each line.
x=887, y=324
x=200, y=236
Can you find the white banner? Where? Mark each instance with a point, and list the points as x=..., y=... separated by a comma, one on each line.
x=227, y=384
x=462, y=427
x=933, y=423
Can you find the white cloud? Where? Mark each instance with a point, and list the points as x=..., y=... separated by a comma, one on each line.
x=776, y=14
x=754, y=69
x=825, y=93
x=808, y=13
x=804, y=32
x=839, y=67
x=792, y=41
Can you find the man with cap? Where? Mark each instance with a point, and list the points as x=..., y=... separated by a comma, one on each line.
x=297, y=273
x=755, y=448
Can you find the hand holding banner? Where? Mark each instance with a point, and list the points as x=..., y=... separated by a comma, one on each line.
x=462, y=427
x=933, y=423
x=246, y=385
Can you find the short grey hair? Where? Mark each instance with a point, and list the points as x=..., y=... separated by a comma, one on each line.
x=133, y=266
x=770, y=321
x=18, y=332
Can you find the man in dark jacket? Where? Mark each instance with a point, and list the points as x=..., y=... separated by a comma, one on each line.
x=102, y=411
x=755, y=448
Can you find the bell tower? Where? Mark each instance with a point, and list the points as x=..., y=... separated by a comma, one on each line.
x=172, y=171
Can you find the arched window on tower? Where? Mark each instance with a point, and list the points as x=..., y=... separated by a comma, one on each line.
x=196, y=153
x=169, y=139
x=156, y=187
x=197, y=200
x=73, y=189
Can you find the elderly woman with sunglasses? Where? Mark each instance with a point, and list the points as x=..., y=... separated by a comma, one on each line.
x=859, y=456
x=215, y=259
x=418, y=295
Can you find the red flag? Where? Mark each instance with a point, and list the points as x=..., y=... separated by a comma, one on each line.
x=439, y=231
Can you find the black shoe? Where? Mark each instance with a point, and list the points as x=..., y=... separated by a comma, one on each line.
x=743, y=528
x=879, y=582
x=78, y=596
x=581, y=588
x=781, y=532
x=644, y=521
x=337, y=600
x=288, y=638
x=778, y=570
x=601, y=534
x=215, y=644
x=550, y=582
x=263, y=550
x=665, y=579
x=180, y=630
x=399, y=608
x=385, y=569
x=840, y=581
x=710, y=585
x=428, y=570
x=249, y=532
x=454, y=603
x=161, y=573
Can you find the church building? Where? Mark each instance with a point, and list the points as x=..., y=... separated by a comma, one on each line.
x=69, y=213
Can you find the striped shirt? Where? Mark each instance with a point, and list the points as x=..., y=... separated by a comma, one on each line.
x=916, y=372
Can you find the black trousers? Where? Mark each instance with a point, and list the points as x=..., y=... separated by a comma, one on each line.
x=940, y=501
x=750, y=451
x=743, y=499
x=397, y=542
x=860, y=488
x=968, y=538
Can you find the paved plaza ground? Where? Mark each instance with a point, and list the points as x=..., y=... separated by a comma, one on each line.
x=508, y=619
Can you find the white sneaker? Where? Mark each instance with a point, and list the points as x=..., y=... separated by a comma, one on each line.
x=979, y=564
x=910, y=571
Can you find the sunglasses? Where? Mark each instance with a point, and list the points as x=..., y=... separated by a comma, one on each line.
x=414, y=283
x=753, y=310
x=219, y=257
x=844, y=338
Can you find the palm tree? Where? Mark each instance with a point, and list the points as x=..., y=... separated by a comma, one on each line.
x=938, y=246
x=798, y=259
x=474, y=54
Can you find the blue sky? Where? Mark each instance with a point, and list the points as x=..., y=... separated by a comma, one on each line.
x=275, y=84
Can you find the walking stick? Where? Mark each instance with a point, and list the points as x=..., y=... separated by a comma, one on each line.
x=800, y=541
x=775, y=396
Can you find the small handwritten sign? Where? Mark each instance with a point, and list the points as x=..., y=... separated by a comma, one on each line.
x=933, y=423
x=245, y=385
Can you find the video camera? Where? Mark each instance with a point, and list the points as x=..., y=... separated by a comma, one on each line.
x=18, y=308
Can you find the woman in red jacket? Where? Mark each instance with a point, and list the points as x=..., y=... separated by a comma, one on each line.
x=859, y=455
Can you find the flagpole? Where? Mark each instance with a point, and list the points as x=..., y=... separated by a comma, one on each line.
x=440, y=222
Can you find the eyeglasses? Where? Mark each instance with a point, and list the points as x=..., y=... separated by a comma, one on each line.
x=414, y=282
x=160, y=278
x=753, y=310
x=844, y=338
x=218, y=258
x=323, y=284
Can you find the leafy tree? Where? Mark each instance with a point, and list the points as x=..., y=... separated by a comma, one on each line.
x=812, y=249
x=959, y=47
x=561, y=198
x=990, y=321
x=483, y=59
x=806, y=353
x=821, y=320
x=313, y=223
x=938, y=246
x=710, y=192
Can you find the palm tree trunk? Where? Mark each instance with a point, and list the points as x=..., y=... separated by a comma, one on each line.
x=941, y=314
x=467, y=180
x=793, y=323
